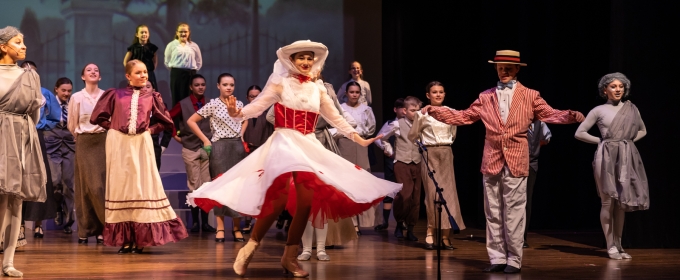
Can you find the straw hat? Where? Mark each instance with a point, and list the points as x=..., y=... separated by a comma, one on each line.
x=508, y=57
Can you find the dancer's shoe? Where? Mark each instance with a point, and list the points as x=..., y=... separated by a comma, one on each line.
x=244, y=256
x=10, y=271
x=290, y=264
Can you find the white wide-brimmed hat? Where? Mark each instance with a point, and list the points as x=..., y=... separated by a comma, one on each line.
x=320, y=54
x=507, y=57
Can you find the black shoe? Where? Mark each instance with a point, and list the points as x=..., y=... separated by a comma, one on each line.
x=399, y=231
x=526, y=245
x=280, y=222
x=207, y=228
x=68, y=230
x=495, y=268
x=195, y=228
x=125, y=250
x=82, y=241
x=357, y=230
x=39, y=232
x=447, y=247
x=429, y=246
x=100, y=240
x=233, y=233
x=136, y=250
x=330, y=247
x=511, y=270
x=382, y=226
x=409, y=234
x=219, y=240
x=246, y=230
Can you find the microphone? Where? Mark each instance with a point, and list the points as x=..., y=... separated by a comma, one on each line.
x=420, y=144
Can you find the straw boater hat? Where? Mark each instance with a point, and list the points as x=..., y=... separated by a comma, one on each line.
x=320, y=53
x=508, y=57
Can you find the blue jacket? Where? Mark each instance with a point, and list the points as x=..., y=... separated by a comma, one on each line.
x=50, y=114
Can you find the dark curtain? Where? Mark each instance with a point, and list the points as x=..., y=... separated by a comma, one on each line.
x=568, y=46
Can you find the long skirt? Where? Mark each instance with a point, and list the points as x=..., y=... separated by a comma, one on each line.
x=38, y=211
x=440, y=159
x=340, y=232
x=90, y=183
x=358, y=155
x=137, y=210
x=226, y=153
x=252, y=186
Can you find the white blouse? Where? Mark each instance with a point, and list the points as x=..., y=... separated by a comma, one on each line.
x=221, y=124
x=81, y=104
x=363, y=115
x=185, y=57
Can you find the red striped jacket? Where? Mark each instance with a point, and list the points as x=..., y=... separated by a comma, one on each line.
x=505, y=143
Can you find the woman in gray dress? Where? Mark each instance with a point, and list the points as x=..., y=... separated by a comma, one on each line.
x=225, y=149
x=22, y=170
x=619, y=173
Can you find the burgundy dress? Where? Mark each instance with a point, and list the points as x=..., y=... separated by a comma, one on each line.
x=137, y=210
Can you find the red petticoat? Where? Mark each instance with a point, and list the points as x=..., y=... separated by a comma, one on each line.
x=327, y=203
x=144, y=234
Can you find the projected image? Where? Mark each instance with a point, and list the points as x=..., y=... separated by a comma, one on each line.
x=235, y=36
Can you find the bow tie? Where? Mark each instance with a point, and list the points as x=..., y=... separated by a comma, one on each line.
x=509, y=85
x=302, y=78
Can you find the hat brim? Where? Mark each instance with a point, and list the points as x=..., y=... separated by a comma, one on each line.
x=305, y=46
x=507, y=62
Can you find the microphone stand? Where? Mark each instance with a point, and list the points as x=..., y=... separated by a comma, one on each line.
x=440, y=202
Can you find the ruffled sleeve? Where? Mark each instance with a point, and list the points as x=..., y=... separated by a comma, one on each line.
x=160, y=114
x=102, y=112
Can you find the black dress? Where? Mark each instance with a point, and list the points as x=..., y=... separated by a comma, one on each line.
x=145, y=53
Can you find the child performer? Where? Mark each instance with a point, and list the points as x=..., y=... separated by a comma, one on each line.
x=400, y=111
x=437, y=137
x=142, y=49
x=138, y=214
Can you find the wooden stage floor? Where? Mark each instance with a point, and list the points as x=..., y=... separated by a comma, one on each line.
x=376, y=255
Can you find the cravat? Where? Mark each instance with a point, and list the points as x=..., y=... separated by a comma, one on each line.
x=199, y=104
x=509, y=85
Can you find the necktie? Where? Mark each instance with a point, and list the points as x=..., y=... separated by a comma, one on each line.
x=509, y=85
x=64, y=114
x=199, y=104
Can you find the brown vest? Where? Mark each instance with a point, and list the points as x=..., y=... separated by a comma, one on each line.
x=189, y=140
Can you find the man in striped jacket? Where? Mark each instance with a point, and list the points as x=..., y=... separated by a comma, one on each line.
x=506, y=110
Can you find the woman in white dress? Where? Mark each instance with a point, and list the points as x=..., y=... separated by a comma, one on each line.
x=292, y=169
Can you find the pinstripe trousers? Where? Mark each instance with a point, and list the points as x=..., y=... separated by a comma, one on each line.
x=505, y=200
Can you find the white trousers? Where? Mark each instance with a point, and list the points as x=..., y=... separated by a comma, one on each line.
x=505, y=209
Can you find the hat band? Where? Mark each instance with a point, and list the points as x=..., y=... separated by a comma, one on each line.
x=500, y=58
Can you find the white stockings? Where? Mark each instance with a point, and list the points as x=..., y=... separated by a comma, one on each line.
x=10, y=225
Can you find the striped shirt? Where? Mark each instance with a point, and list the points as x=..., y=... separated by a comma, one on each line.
x=506, y=142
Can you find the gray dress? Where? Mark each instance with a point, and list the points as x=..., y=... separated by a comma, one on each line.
x=618, y=168
x=22, y=169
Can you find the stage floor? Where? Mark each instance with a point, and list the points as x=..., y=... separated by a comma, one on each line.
x=376, y=255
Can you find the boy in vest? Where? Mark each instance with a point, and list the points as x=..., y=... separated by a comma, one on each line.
x=406, y=170
x=195, y=159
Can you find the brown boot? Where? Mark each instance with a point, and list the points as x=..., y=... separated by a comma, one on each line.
x=290, y=264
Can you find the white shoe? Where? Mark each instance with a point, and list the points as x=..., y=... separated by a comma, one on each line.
x=625, y=255
x=305, y=256
x=614, y=253
x=322, y=256
x=12, y=272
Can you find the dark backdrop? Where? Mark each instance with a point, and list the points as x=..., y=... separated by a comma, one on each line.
x=568, y=46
